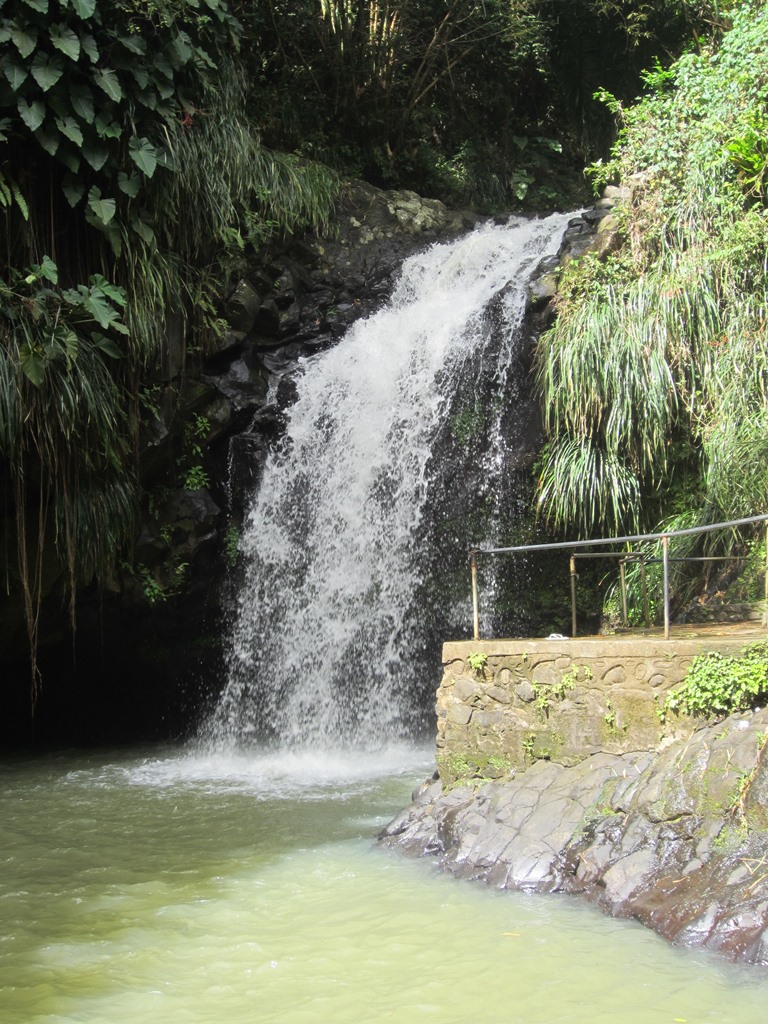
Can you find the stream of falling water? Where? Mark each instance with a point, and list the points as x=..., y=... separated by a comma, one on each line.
x=328, y=617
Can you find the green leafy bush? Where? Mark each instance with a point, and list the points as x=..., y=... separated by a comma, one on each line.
x=717, y=684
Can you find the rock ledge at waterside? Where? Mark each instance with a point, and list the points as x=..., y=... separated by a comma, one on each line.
x=676, y=838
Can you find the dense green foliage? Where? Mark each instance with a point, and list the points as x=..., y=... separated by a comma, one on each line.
x=717, y=684
x=147, y=145
x=487, y=103
x=655, y=377
x=130, y=178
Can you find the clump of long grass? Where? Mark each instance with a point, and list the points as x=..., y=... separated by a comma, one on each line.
x=664, y=342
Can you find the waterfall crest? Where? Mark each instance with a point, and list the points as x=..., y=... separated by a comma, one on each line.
x=321, y=647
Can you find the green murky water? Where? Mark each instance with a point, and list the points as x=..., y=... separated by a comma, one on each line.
x=174, y=887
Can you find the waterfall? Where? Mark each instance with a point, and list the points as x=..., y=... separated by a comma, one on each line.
x=326, y=647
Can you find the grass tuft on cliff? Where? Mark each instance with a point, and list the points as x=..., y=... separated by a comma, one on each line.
x=654, y=379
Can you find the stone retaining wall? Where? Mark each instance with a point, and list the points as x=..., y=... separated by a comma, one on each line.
x=558, y=700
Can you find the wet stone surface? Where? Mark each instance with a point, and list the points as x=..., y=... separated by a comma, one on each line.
x=675, y=838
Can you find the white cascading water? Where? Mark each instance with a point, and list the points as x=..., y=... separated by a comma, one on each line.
x=322, y=644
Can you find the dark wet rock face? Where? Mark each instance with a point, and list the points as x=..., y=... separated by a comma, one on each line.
x=677, y=839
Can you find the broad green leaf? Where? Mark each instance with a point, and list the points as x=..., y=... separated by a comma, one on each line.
x=69, y=158
x=106, y=345
x=47, y=70
x=202, y=57
x=82, y=102
x=143, y=154
x=58, y=102
x=168, y=111
x=129, y=184
x=101, y=311
x=73, y=189
x=66, y=41
x=103, y=209
x=89, y=47
x=48, y=270
x=143, y=229
x=112, y=291
x=24, y=38
x=38, y=5
x=106, y=127
x=5, y=124
x=96, y=153
x=179, y=50
x=135, y=44
x=5, y=32
x=32, y=362
x=165, y=158
x=141, y=75
x=107, y=80
x=74, y=296
x=48, y=138
x=163, y=66
x=148, y=98
x=68, y=341
x=166, y=89
x=84, y=8
x=69, y=127
x=15, y=73
x=32, y=114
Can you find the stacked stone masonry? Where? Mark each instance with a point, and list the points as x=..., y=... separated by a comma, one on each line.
x=504, y=704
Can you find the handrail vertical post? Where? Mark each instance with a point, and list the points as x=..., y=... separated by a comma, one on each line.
x=573, y=596
x=475, y=601
x=623, y=578
x=644, y=587
x=665, y=549
x=765, y=611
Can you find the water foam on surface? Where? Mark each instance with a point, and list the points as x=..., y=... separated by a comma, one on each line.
x=265, y=774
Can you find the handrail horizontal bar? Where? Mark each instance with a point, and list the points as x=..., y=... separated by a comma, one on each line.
x=569, y=545
x=638, y=556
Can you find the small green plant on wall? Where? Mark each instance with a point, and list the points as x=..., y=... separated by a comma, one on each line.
x=477, y=662
x=545, y=696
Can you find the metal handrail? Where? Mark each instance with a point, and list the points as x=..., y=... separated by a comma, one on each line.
x=664, y=537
